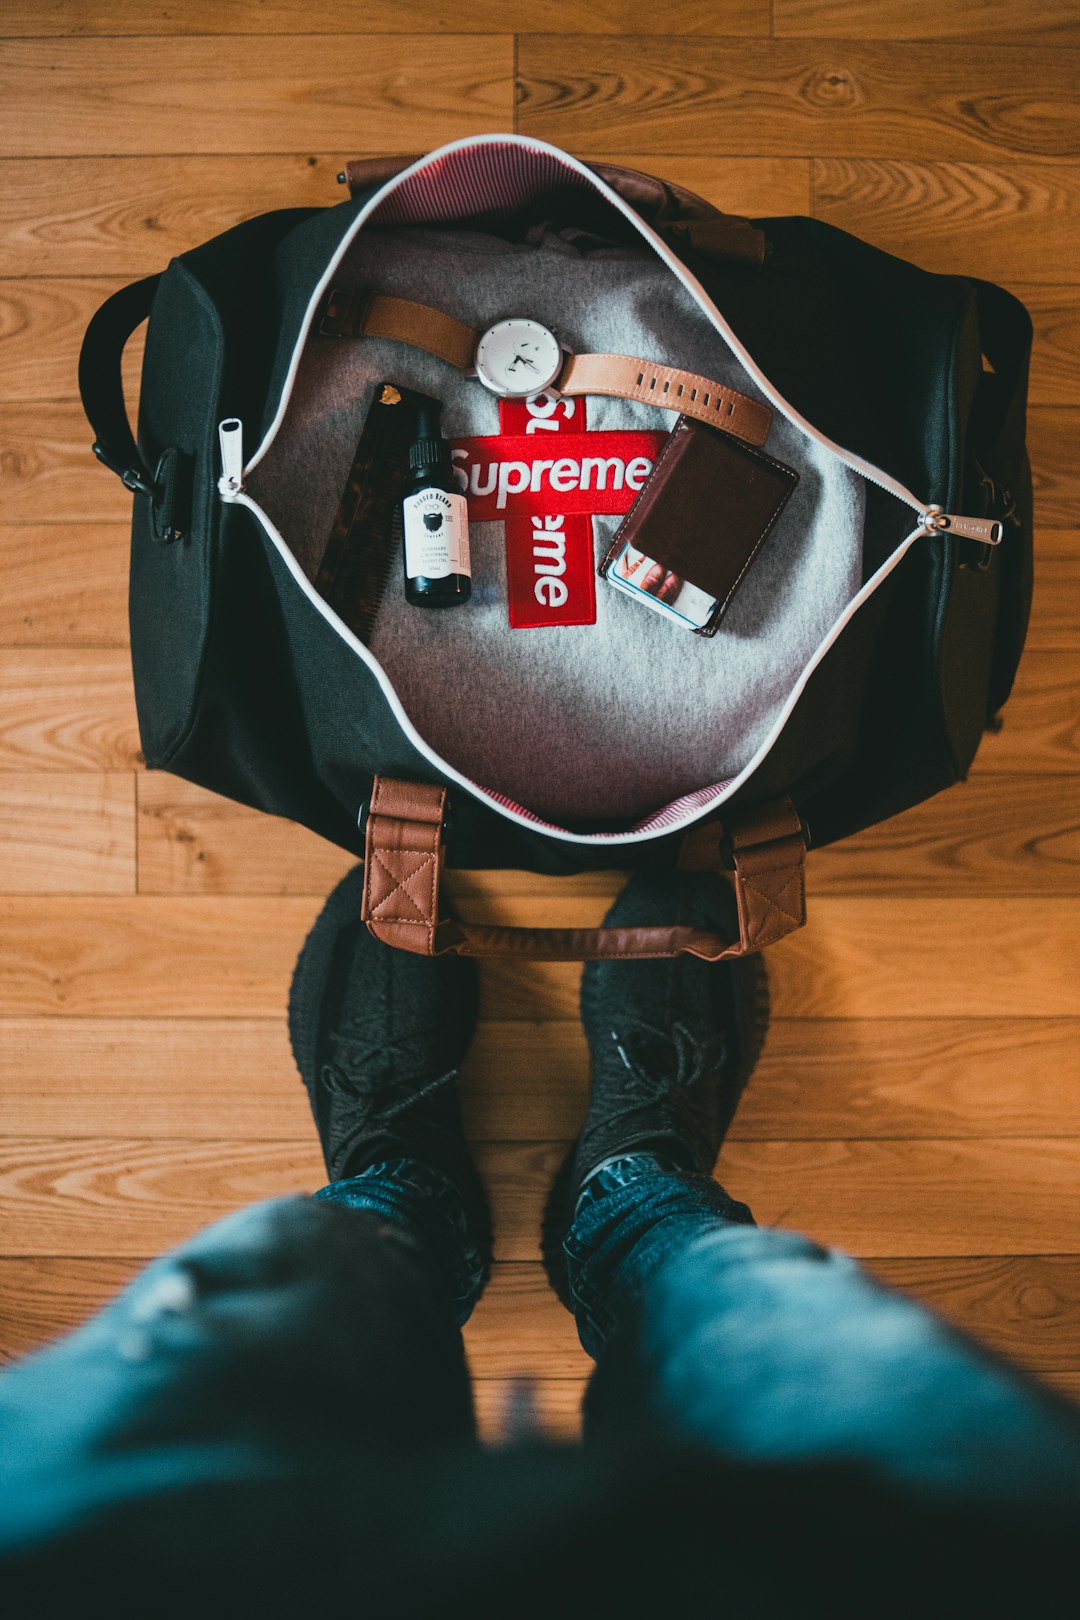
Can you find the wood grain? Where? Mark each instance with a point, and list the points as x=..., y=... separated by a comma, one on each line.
x=1041, y=730
x=132, y=1196
x=66, y=709
x=108, y=17
x=1053, y=434
x=1055, y=357
x=1054, y=20
x=840, y=98
x=42, y=322
x=233, y=956
x=195, y=842
x=820, y=1078
x=344, y=92
x=1016, y=835
x=1055, y=609
x=128, y=216
x=1016, y=221
x=65, y=584
x=67, y=833
x=47, y=471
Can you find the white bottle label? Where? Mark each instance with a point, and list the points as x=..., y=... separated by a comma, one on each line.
x=436, y=534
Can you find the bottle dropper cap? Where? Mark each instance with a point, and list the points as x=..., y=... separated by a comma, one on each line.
x=429, y=447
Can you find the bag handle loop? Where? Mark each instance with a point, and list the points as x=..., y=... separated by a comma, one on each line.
x=102, y=388
x=403, y=865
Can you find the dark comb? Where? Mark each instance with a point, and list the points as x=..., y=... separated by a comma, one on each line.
x=365, y=536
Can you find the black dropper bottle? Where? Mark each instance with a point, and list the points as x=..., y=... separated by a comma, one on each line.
x=436, y=520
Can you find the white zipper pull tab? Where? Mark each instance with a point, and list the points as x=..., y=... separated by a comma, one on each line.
x=231, y=439
x=986, y=530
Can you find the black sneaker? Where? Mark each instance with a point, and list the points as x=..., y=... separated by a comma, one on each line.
x=673, y=1044
x=378, y=1035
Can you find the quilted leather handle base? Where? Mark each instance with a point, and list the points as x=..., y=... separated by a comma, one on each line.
x=403, y=867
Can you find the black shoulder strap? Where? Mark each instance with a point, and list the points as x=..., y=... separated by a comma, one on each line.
x=101, y=382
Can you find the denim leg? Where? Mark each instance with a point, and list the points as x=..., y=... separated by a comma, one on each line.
x=282, y=1339
x=767, y=1347
x=422, y=1199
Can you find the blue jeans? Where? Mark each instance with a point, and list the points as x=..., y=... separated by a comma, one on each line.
x=278, y=1416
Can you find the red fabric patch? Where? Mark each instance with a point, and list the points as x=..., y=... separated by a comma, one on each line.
x=518, y=474
x=549, y=555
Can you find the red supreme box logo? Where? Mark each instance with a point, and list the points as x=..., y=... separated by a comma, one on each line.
x=547, y=496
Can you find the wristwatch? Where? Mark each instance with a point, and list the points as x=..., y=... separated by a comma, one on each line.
x=517, y=357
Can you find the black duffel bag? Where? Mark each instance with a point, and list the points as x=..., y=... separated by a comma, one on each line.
x=899, y=394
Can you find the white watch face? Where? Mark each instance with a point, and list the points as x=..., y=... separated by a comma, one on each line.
x=518, y=357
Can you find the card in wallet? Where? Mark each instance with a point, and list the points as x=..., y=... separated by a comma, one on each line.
x=702, y=517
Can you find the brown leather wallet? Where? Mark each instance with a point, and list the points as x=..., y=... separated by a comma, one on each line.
x=705, y=511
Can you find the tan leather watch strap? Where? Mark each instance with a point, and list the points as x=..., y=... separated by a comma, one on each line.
x=620, y=376
x=403, y=867
x=624, y=377
x=348, y=314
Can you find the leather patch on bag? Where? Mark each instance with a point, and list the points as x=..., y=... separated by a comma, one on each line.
x=706, y=511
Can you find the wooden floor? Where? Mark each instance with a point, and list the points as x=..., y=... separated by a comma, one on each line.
x=919, y=1099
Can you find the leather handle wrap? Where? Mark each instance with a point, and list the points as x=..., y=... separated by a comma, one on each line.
x=403, y=868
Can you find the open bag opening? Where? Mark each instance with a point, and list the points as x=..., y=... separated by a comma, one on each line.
x=631, y=725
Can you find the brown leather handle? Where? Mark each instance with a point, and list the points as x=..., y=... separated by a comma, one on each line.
x=680, y=215
x=403, y=866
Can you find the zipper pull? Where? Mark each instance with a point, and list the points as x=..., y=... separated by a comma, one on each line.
x=986, y=530
x=231, y=439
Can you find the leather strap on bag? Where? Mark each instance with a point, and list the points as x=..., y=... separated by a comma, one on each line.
x=403, y=867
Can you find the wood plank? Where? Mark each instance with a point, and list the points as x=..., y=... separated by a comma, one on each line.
x=858, y=958
x=66, y=709
x=1052, y=435
x=63, y=833
x=1053, y=20
x=195, y=842
x=842, y=98
x=1014, y=834
x=65, y=584
x=232, y=957
x=47, y=471
x=128, y=216
x=129, y=1196
x=1041, y=730
x=206, y=1078
x=342, y=91
x=908, y=1078
x=1055, y=357
x=42, y=322
x=1010, y=222
x=992, y=834
x=1055, y=608
x=176, y=957
x=81, y=18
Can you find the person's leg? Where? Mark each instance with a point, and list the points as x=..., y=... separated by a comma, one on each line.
x=767, y=1347
x=301, y=1329
x=758, y=1344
